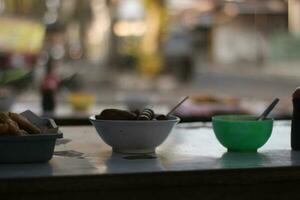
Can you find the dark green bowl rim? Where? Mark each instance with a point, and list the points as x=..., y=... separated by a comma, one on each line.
x=224, y=118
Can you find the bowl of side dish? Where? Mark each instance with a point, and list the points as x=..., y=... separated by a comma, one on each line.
x=128, y=134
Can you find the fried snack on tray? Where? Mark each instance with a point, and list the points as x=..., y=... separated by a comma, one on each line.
x=13, y=128
x=24, y=123
x=3, y=128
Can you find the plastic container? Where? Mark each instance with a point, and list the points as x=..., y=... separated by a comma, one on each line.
x=28, y=149
x=33, y=148
x=242, y=132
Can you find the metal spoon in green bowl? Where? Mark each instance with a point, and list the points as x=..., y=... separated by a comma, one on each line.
x=268, y=110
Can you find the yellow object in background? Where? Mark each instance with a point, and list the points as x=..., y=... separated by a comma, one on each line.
x=81, y=101
x=149, y=58
x=150, y=65
x=20, y=35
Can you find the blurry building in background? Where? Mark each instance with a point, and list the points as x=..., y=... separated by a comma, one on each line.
x=167, y=48
x=104, y=39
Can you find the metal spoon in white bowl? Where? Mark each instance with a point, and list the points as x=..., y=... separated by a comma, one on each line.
x=268, y=110
x=177, y=105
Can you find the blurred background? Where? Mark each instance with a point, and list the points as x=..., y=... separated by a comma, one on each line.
x=72, y=58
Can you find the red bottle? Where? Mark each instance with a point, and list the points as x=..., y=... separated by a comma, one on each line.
x=49, y=88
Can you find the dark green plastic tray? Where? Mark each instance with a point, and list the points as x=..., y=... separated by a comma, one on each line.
x=28, y=149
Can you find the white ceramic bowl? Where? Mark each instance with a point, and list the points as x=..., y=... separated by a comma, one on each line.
x=134, y=136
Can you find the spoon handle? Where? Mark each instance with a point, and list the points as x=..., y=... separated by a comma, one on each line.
x=175, y=107
x=269, y=109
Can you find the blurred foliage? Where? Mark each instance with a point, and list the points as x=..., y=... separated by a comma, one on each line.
x=11, y=76
x=285, y=47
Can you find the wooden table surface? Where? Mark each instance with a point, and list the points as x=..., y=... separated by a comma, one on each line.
x=189, y=164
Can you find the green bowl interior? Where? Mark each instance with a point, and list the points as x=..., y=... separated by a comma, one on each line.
x=239, y=118
x=242, y=132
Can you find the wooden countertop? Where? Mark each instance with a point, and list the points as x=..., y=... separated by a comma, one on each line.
x=190, y=163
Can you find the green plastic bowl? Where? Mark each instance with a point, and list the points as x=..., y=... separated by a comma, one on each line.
x=242, y=132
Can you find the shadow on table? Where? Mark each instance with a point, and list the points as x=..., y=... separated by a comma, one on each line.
x=122, y=163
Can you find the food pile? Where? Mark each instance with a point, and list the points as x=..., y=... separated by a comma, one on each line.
x=16, y=124
x=116, y=114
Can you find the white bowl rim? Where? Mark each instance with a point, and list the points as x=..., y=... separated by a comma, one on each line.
x=173, y=119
